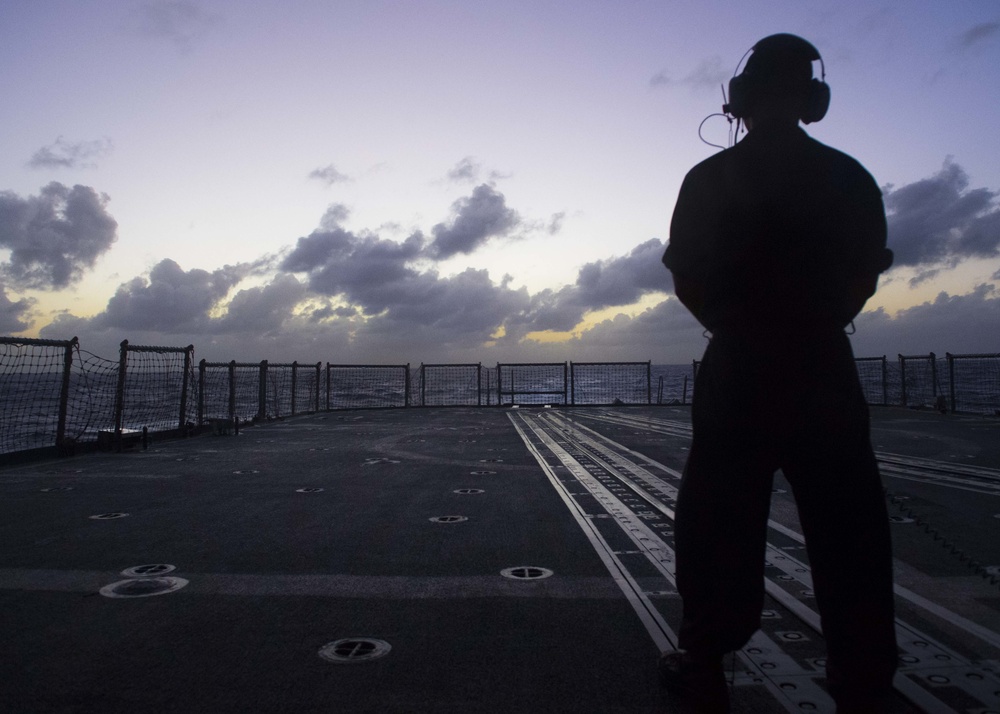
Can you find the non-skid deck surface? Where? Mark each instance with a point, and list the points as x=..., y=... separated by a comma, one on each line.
x=401, y=527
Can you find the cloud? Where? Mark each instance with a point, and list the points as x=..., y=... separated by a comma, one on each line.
x=70, y=155
x=465, y=171
x=709, y=74
x=363, y=268
x=613, y=282
x=263, y=309
x=940, y=221
x=475, y=220
x=468, y=170
x=170, y=300
x=13, y=315
x=329, y=175
x=55, y=236
x=979, y=33
x=955, y=323
x=556, y=222
x=336, y=213
x=179, y=22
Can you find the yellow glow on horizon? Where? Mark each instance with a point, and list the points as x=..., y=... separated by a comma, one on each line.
x=595, y=317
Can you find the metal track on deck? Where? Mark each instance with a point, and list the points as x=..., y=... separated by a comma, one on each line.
x=625, y=501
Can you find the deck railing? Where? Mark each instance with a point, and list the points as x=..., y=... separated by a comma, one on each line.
x=55, y=396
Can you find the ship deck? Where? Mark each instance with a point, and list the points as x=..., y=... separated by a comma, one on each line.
x=453, y=560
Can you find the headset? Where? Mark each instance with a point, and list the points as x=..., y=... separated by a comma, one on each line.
x=783, y=47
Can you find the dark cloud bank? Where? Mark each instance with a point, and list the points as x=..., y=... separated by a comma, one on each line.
x=54, y=237
x=345, y=295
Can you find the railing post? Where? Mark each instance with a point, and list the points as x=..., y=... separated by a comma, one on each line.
x=649, y=382
x=499, y=388
x=951, y=380
x=120, y=393
x=565, y=383
x=201, y=391
x=934, y=386
x=262, y=392
x=885, y=382
x=423, y=385
x=479, y=384
x=295, y=374
x=185, y=383
x=328, y=386
x=64, y=391
x=406, y=386
x=232, y=390
x=319, y=378
x=572, y=384
x=902, y=380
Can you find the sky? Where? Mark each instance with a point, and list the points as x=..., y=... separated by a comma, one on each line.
x=449, y=181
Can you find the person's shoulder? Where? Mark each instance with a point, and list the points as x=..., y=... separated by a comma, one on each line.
x=711, y=166
x=840, y=161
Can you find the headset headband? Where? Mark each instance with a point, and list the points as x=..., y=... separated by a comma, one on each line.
x=780, y=52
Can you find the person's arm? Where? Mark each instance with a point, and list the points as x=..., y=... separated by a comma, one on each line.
x=874, y=257
x=686, y=251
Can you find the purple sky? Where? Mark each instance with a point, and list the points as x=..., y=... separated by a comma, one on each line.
x=454, y=181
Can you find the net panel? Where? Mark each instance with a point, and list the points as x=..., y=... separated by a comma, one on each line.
x=307, y=384
x=279, y=391
x=610, y=383
x=91, y=406
x=154, y=387
x=247, y=378
x=450, y=385
x=532, y=383
x=31, y=377
x=366, y=386
x=919, y=386
x=672, y=383
x=873, y=374
x=976, y=383
x=213, y=382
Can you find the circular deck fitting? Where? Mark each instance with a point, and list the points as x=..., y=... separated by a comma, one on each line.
x=938, y=679
x=252, y=471
x=107, y=516
x=467, y=491
x=483, y=473
x=491, y=461
x=143, y=587
x=808, y=706
x=143, y=571
x=908, y=659
x=448, y=519
x=900, y=519
x=778, y=490
x=792, y=636
x=53, y=489
x=354, y=650
x=308, y=489
x=526, y=572
x=770, y=615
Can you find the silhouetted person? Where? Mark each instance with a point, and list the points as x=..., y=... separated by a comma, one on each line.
x=775, y=245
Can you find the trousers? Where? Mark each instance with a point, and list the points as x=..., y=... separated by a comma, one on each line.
x=795, y=404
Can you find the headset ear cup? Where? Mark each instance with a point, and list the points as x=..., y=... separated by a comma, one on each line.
x=817, y=103
x=737, y=105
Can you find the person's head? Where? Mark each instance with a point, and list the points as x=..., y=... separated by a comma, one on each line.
x=777, y=84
